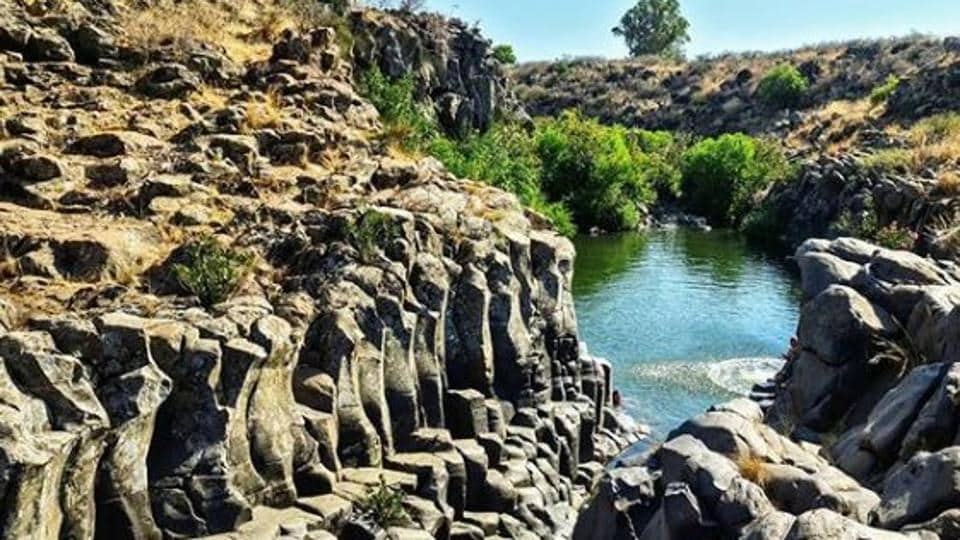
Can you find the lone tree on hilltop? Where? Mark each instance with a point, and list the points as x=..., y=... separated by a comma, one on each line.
x=654, y=27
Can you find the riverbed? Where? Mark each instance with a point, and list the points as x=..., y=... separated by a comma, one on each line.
x=687, y=318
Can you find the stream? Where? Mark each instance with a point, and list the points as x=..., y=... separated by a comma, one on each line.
x=687, y=318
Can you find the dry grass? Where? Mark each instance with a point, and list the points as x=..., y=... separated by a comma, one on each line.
x=244, y=29
x=9, y=266
x=753, y=469
x=209, y=98
x=127, y=273
x=949, y=183
x=332, y=160
x=936, y=139
x=266, y=114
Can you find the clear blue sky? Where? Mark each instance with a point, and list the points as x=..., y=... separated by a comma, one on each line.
x=549, y=29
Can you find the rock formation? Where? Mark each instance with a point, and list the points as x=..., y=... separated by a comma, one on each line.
x=860, y=441
x=399, y=326
x=451, y=63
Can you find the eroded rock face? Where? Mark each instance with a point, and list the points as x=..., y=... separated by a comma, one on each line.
x=865, y=417
x=398, y=324
x=451, y=63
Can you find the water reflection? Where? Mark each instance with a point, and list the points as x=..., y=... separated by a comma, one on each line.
x=670, y=309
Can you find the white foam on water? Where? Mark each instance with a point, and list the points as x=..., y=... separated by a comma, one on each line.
x=739, y=375
x=734, y=376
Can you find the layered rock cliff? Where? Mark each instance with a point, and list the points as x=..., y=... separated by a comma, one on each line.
x=860, y=441
x=399, y=326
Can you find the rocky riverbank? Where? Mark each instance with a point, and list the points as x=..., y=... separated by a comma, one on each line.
x=860, y=441
x=402, y=343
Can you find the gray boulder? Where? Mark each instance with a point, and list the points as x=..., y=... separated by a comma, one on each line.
x=920, y=489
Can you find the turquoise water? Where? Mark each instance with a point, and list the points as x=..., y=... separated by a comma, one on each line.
x=687, y=318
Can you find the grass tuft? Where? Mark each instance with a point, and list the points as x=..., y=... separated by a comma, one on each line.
x=754, y=469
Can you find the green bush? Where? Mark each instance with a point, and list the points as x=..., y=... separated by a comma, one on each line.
x=866, y=225
x=595, y=170
x=406, y=122
x=210, y=271
x=504, y=156
x=371, y=229
x=722, y=176
x=384, y=507
x=883, y=92
x=660, y=153
x=782, y=87
x=504, y=54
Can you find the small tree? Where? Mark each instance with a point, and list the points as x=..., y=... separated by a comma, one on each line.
x=654, y=27
x=504, y=54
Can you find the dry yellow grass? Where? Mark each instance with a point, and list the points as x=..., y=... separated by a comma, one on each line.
x=244, y=29
x=210, y=97
x=934, y=142
x=949, y=182
x=266, y=114
x=753, y=469
x=332, y=160
x=936, y=139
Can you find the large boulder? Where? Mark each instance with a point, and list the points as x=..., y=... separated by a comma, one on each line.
x=921, y=489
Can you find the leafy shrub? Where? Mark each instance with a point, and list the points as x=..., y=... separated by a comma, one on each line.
x=782, y=87
x=893, y=236
x=210, y=271
x=370, y=230
x=883, y=92
x=504, y=54
x=866, y=225
x=762, y=226
x=504, y=156
x=721, y=176
x=595, y=170
x=660, y=153
x=384, y=507
x=407, y=123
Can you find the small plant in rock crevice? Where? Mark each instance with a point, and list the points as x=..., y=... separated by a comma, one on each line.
x=866, y=225
x=882, y=93
x=371, y=229
x=384, y=506
x=210, y=271
x=753, y=468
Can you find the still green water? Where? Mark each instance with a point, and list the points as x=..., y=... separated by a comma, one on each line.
x=687, y=319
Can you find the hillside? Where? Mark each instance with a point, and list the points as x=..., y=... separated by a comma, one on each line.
x=875, y=137
x=719, y=94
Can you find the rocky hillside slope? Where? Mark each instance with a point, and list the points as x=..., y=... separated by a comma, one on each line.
x=717, y=95
x=867, y=168
x=397, y=326
x=861, y=441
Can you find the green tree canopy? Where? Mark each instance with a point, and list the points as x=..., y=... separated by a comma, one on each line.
x=654, y=27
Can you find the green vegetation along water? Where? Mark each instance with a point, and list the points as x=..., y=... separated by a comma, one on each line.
x=687, y=318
